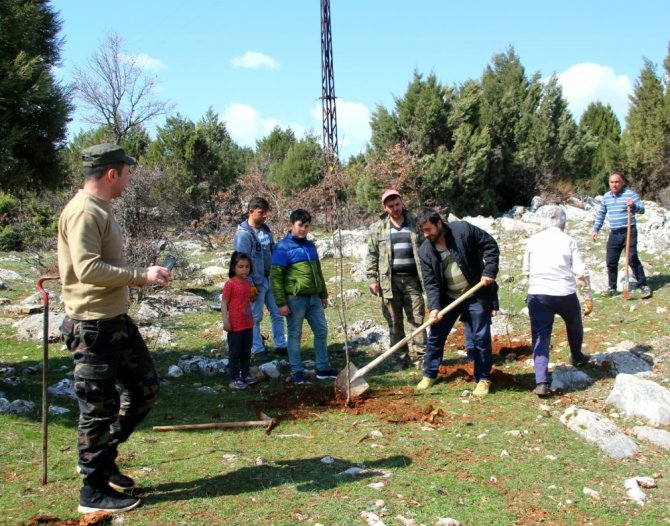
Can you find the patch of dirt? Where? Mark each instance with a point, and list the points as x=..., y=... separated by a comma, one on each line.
x=99, y=518
x=393, y=405
x=501, y=345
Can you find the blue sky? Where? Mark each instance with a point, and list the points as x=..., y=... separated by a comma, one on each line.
x=258, y=63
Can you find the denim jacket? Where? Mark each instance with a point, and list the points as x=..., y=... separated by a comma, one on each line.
x=259, y=250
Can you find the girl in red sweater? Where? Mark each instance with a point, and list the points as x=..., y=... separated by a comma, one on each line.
x=238, y=321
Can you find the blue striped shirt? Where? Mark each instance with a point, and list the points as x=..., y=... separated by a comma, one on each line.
x=614, y=207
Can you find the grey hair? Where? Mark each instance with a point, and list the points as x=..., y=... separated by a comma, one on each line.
x=556, y=217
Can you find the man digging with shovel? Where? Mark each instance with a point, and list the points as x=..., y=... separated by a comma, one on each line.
x=456, y=257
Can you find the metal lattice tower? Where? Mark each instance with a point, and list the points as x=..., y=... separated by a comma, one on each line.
x=329, y=112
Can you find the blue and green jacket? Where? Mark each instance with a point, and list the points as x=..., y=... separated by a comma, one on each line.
x=296, y=270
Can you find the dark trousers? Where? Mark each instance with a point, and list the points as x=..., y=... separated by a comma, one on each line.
x=541, y=309
x=616, y=243
x=477, y=317
x=239, y=352
x=107, y=352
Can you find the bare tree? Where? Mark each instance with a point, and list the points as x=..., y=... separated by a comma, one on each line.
x=116, y=90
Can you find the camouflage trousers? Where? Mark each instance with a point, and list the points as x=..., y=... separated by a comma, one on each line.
x=408, y=299
x=107, y=352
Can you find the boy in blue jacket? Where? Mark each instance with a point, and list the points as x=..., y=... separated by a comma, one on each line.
x=300, y=292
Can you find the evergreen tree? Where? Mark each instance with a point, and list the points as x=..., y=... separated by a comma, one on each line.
x=301, y=168
x=34, y=107
x=509, y=104
x=645, y=140
x=600, y=127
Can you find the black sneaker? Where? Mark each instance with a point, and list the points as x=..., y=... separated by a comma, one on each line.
x=105, y=499
x=281, y=350
x=541, y=389
x=645, y=292
x=115, y=478
x=326, y=374
x=118, y=480
x=299, y=378
x=582, y=359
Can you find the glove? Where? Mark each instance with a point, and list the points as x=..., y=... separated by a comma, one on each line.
x=588, y=306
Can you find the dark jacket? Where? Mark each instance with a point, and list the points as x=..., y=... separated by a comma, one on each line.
x=475, y=252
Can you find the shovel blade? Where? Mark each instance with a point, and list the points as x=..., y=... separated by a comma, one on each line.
x=358, y=386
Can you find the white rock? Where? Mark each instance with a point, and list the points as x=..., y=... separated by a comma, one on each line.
x=207, y=390
x=214, y=271
x=351, y=472
x=372, y=519
x=448, y=522
x=646, y=482
x=327, y=459
x=375, y=434
x=641, y=398
x=661, y=310
x=634, y=491
x=56, y=410
x=64, y=388
x=175, y=371
x=22, y=407
x=270, y=369
x=658, y=437
x=568, y=378
x=597, y=429
x=260, y=461
x=504, y=453
x=405, y=521
x=376, y=485
x=591, y=493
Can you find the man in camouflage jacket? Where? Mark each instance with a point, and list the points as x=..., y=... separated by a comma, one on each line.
x=394, y=273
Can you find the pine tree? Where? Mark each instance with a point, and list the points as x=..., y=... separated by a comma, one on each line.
x=34, y=107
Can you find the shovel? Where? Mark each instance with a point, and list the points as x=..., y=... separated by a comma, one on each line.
x=352, y=378
x=626, y=284
x=45, y=373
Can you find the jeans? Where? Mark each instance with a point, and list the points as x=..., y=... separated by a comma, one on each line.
x=477, y=318
x=310, y=308
x=239, y=353
x=266, y=298
x=616, y=243
x=407, y=298
x=541, y=309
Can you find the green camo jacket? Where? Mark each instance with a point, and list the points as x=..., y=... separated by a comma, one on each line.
x=378, y=262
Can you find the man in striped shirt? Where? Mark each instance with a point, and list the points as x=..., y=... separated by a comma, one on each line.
x=394, y=272
x=615, y=205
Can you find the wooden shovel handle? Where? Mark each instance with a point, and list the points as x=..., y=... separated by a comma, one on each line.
x=361, y=372
x=627, y=262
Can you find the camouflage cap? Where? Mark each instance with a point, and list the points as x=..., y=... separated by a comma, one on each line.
x=104, y=154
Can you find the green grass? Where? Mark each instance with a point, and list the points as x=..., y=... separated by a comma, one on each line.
x=453, y=468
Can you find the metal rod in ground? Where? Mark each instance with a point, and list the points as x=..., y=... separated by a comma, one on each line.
x=45, y=375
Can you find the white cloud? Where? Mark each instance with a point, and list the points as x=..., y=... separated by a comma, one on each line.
x=353, y=126
x=144, y=61
x=245, y=124
x=587, y=82
x=255, y=60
